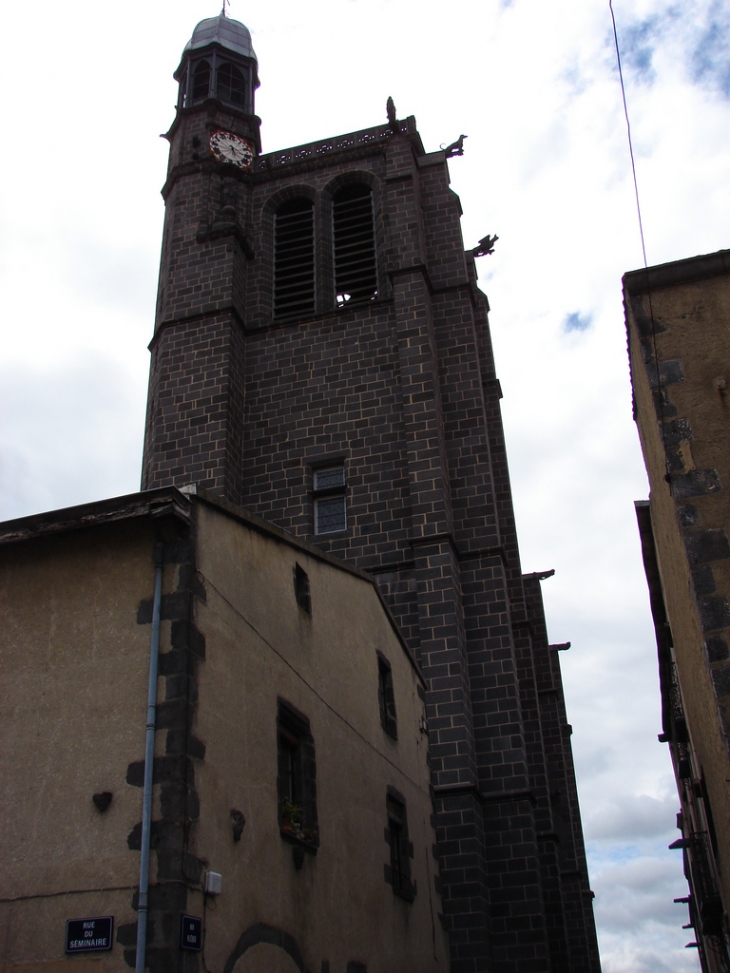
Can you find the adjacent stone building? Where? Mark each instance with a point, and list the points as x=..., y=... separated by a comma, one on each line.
x=678, y=321
x=322, y=356
x=290, y=756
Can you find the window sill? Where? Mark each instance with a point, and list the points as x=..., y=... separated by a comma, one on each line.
x=292, y=838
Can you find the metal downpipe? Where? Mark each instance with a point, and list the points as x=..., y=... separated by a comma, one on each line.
x=149, y=760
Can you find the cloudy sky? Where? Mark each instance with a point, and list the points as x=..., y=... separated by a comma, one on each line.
x=88, y=88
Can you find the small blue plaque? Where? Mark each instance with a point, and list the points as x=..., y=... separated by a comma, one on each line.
x=191, y=933
x=89, y=935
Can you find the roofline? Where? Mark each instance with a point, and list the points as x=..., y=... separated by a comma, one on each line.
x=677, y=272
x=179, y=503
x=94, y=514
x=376, y=135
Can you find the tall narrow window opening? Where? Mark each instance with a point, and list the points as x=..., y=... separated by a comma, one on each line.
x=330, y=513
x=301, y=589
x=231, y=85
x=294, y=258
x=297, y=787
x=354, y=245
x=183, y=99
x=398, y=872
x=201, y=82
x=386, y=698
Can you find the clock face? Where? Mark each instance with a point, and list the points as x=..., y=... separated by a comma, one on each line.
x=227, y=147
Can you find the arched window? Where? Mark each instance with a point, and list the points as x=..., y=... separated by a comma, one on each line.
x=231, y=85
x=353, y=238
x=201, y=82
x=183, y=99
x=294, y=258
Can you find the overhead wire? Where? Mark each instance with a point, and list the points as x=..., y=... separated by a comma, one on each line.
x=659, y=389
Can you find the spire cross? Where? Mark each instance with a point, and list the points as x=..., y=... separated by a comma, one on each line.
x=225, y=3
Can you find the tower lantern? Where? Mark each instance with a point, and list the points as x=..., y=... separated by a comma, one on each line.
x=218, y=62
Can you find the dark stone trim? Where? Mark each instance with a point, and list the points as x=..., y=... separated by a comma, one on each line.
x=221, y=231
x=395, y=566
x=261, y=933
x=483, y=553
x=665, y=373
x=695, y=483
x=320, y=317
x=706, y=545
x=193, y=318
x=471, y=790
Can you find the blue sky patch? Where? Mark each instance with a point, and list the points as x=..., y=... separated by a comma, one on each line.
x=637, y=44
x=575, y=321
x=710, y=61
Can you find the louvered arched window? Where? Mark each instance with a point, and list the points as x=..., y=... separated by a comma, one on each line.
x=294, y=258
x=353, y=238
x=231, y=85
x=201, y=81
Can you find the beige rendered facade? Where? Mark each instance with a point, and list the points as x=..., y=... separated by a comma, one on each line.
x=678, y=320
x=282, y=682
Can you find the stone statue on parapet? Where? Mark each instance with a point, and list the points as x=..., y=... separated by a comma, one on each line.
x=392, y=120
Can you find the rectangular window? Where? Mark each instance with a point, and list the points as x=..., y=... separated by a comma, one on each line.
x=386, y=698
x=297, y=777
x=330, y=512
x=398, y=872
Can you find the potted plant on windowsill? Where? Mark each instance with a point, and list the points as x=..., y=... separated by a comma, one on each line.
x=291, y=817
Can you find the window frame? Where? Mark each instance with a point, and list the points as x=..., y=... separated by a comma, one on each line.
x=386, y=697
x=192, y=75
x=236, y=74
x=283, y=253
x=397, y=872
x=302, y=590
x=367, y=252
x=295, y=747
x=322, y=494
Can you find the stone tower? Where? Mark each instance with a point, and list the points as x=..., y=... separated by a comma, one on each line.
x=322, y=357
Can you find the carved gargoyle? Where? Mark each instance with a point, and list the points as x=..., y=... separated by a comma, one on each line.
x=456, y=148
x=486, y=246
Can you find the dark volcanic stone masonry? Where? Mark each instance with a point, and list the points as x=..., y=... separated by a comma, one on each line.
x=400, y=391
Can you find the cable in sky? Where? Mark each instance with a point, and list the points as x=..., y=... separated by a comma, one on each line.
x=628, y=130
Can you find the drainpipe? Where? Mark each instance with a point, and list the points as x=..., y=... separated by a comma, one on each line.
x=149, y=759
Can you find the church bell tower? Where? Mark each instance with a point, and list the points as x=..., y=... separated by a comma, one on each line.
x=322, y=357
x=195, y=403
